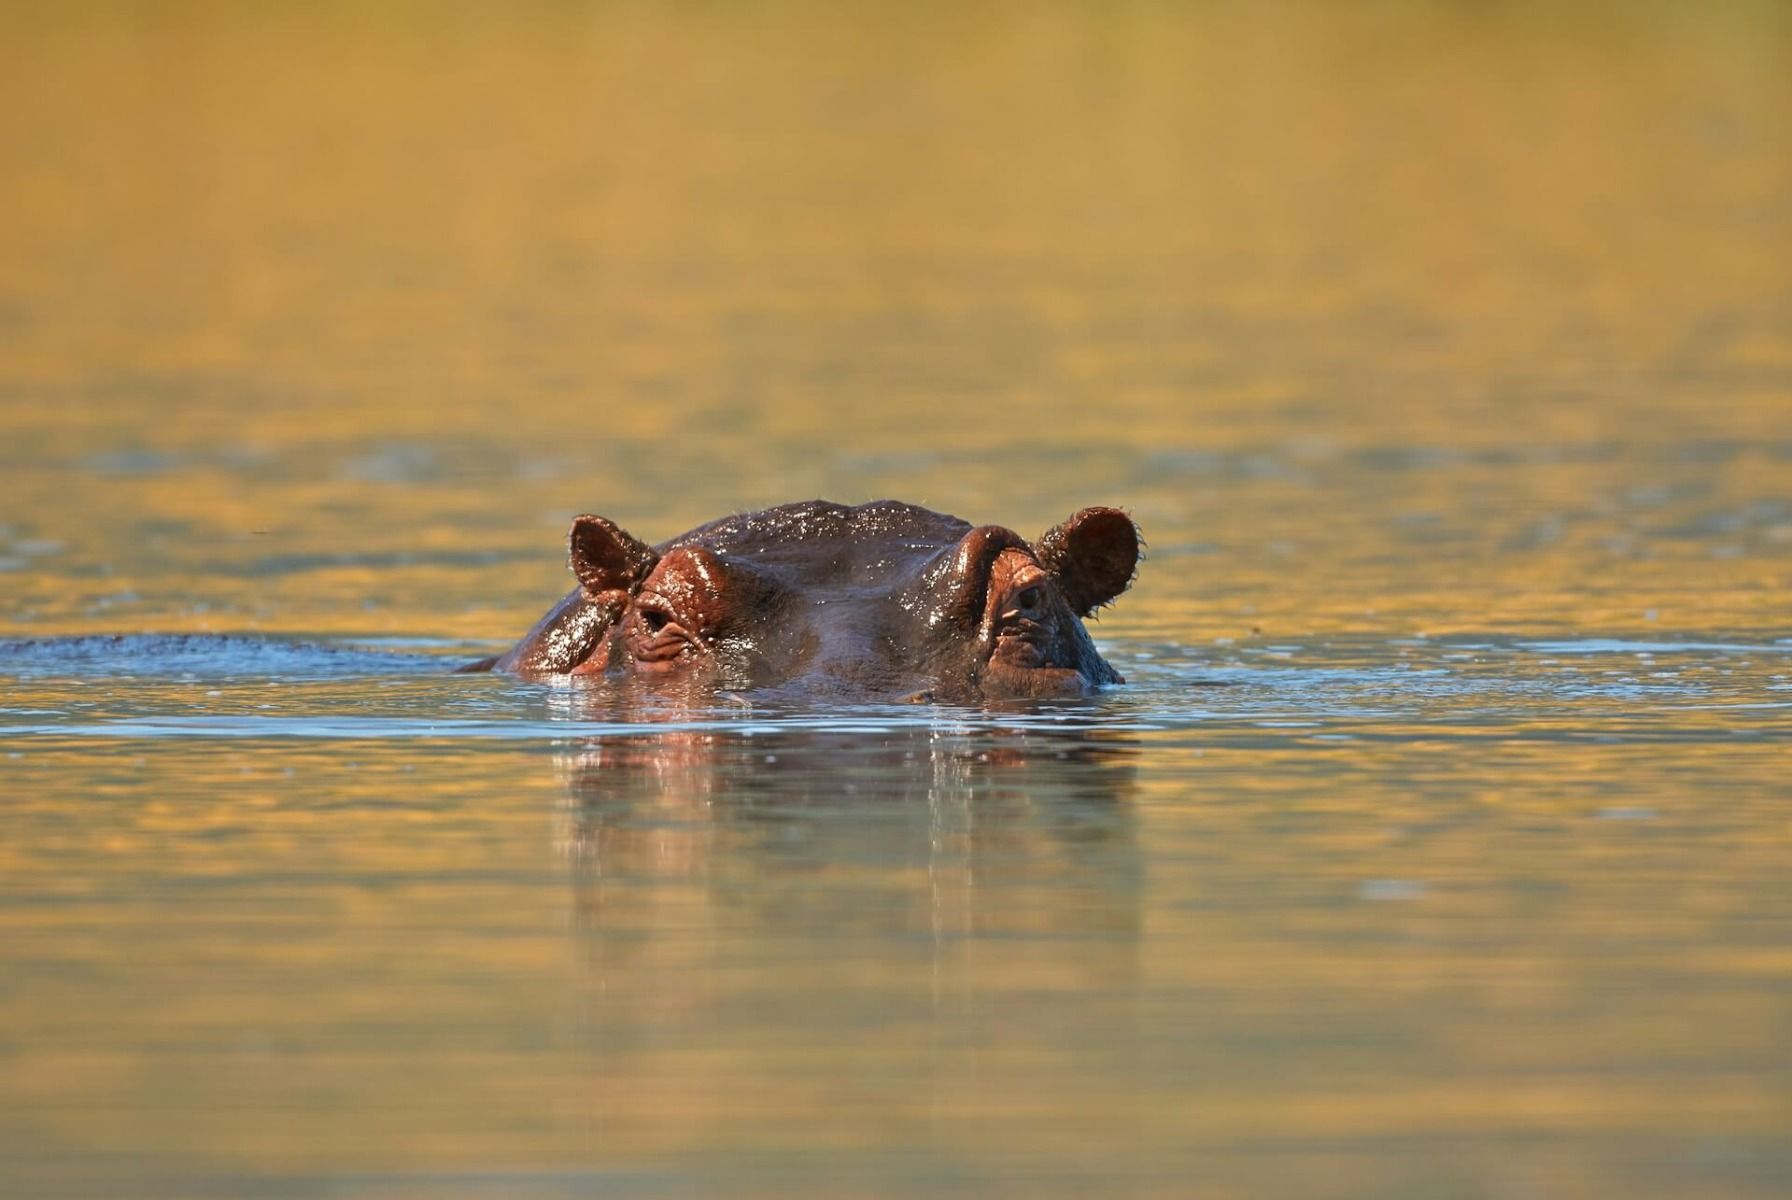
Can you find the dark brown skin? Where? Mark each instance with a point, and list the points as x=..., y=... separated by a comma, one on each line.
x=882, y=601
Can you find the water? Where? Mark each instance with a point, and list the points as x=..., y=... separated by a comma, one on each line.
x=1437, y=846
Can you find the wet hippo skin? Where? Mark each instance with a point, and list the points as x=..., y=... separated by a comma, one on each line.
x=880, y=601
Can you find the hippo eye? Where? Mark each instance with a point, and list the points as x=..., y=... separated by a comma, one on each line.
x=1028, y=599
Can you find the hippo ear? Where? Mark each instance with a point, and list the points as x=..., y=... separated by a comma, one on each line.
x=607, y=557
x=1092, y=556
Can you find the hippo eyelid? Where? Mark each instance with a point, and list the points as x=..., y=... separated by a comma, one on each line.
x=656, y=615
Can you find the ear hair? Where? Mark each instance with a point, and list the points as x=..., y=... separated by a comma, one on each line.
x=1093, y=556
x=607, y=557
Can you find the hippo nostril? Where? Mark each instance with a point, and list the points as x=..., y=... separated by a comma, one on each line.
x=654, y=619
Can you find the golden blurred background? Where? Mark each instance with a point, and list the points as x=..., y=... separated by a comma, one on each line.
x=1347, y=287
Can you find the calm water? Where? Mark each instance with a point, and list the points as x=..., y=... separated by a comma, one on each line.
x=1439, y=847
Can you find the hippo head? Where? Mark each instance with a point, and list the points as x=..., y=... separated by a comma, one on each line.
x=881, y=601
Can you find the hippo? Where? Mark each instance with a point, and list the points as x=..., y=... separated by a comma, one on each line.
x=879, y=601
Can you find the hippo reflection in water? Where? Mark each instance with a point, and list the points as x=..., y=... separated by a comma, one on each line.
x=882, y=601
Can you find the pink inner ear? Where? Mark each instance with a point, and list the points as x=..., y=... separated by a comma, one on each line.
x=606, y=557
